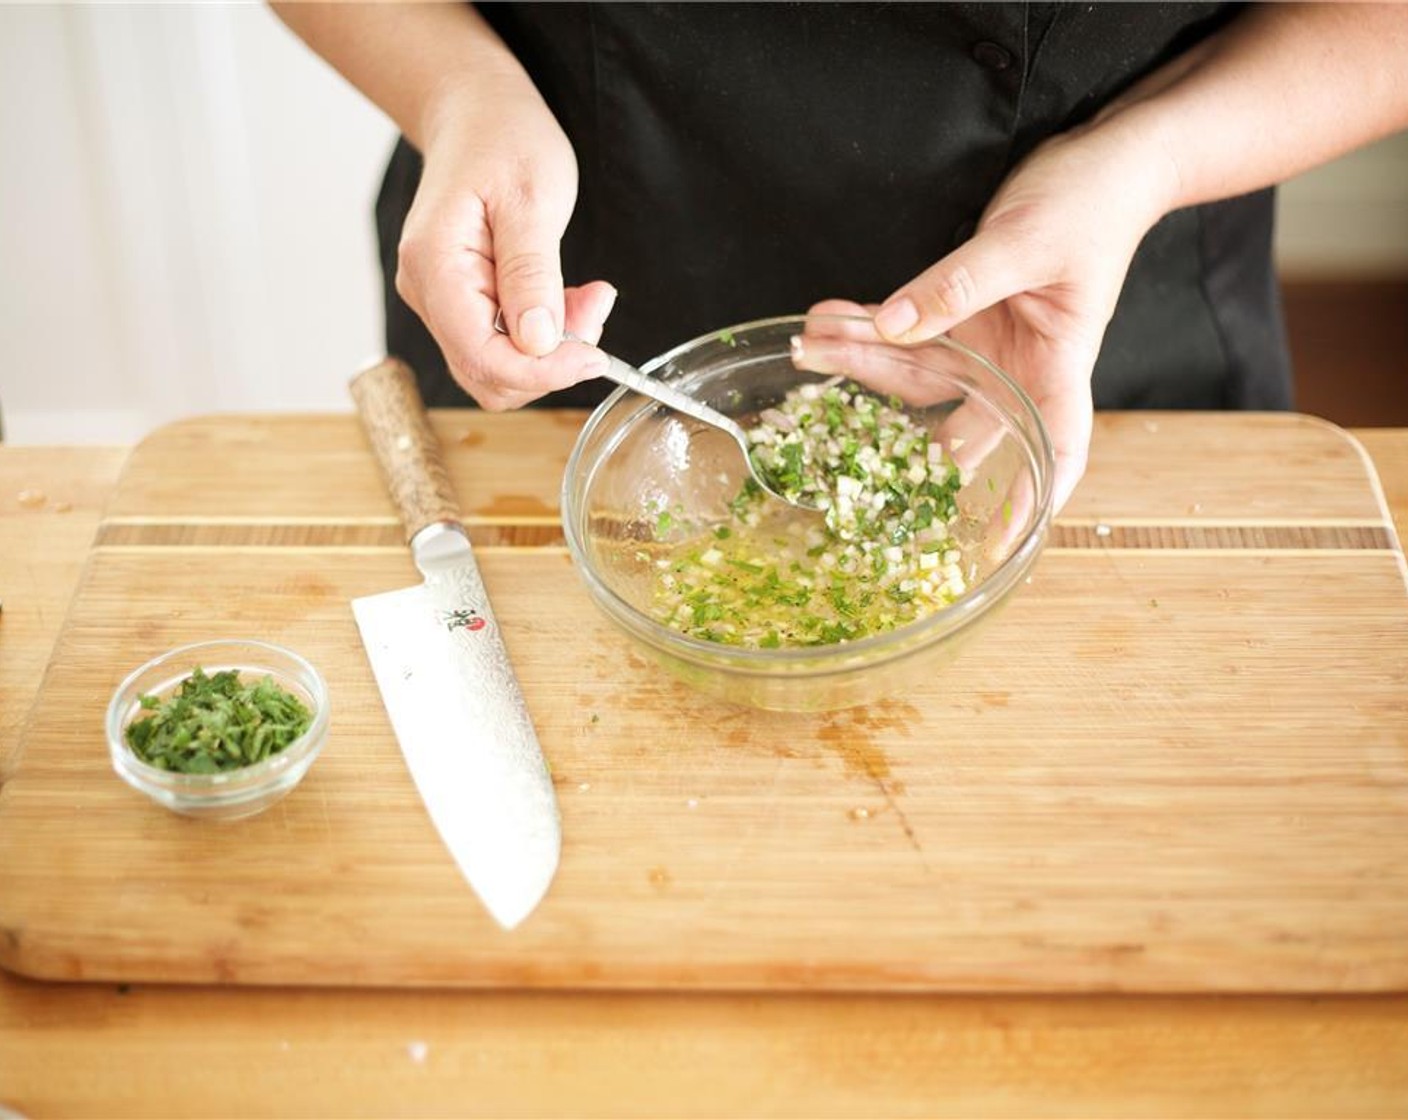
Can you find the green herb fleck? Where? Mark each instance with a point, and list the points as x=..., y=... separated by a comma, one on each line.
x=216, y=723
x=726, y=337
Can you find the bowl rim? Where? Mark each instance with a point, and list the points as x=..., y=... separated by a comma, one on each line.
x=246, y=781
x=952, y=618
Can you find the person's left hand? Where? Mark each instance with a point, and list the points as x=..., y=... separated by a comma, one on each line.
x=1034, y=288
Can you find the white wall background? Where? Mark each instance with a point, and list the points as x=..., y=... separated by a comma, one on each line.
x=185, y=219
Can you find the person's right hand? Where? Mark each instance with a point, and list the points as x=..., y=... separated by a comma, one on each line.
x=482, y=236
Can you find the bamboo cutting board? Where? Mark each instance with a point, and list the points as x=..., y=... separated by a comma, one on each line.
x=1178, y=761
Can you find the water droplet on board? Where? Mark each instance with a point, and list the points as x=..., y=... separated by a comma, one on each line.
x=1103, y=530
x=659, y=877
x=861, y=813
x=692, y=803
x=32, y=499
x=417, y=1051
x=584, y=787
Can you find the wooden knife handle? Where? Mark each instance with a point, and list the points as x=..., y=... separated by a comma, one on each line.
x=406, y=446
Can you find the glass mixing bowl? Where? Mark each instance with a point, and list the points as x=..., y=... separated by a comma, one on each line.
x=230, y=794
x=636, y=460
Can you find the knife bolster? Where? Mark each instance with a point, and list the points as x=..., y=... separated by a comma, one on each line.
x=439, y=542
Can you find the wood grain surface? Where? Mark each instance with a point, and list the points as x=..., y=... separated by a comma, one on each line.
x=1176, y=763
x=102, y=1049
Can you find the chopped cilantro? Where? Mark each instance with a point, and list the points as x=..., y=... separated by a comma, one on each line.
x=217, y=722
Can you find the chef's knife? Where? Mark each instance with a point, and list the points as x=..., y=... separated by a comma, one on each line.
x=444, y=673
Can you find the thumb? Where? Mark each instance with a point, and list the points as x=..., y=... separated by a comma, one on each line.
x=528, y=279
x=976, y=275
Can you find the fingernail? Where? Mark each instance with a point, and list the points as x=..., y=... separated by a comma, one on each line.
x=537, y=331
x=895, y=318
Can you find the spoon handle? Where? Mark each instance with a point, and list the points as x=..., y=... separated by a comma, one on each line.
x=623, y=373
x=652, y=387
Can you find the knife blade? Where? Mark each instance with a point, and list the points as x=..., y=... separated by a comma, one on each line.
x=444, y=673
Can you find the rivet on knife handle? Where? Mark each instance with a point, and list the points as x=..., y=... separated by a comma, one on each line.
x=406, y=446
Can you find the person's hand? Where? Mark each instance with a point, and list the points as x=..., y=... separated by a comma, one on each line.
x=1036, y=285
x=483, y=234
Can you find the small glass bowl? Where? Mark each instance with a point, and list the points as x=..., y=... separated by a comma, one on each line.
x=231, y=794
x=635, y=458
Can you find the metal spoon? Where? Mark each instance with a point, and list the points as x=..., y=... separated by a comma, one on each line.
x=623, y=373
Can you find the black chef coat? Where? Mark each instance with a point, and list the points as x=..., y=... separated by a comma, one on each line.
x=739, y=161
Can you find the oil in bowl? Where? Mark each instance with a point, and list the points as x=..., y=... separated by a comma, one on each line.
x=941, y=489
x=218, y=730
